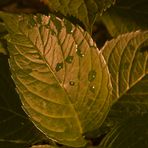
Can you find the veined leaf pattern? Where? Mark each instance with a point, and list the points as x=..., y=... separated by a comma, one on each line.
x=127, y=58
x=130, y=133
x=61, y=76
x=85, y=11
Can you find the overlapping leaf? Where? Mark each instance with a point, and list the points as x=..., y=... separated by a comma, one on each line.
x=2, y=49
x=16, y=130
x=85, y=11
x=132, y=133
x=118, y=20
x=43, y=146
x=127, y=58
x=61, y=76
x=3, y=32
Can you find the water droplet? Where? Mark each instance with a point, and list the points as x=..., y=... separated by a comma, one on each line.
x=57, y=23
x=59, y=66
x=52, y=32
x=39, y=18
x=48, y=25
x=79, y=52
x=32, y=21
x=72, y=83
x=91, y=75
x=72, y=30
x=92, y=89
x=69, y=59
x=91, y=42
x=68, y=26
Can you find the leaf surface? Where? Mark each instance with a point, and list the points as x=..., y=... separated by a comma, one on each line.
x=132, y=133
x=127, y=58
x=118, y=20
x=85, y=11
x=16, y=130
x=44, y=146
x=2, y=49
x=61, y=76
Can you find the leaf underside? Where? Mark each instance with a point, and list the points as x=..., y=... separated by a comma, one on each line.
x=61, y=76
x=16, y=130
x=85, y=11
x=127, y=58
x=132, y=133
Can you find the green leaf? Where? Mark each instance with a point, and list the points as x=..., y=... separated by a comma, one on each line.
x=3, y=32
x=62, y=77
x=133, y=133
x=127, y=58
x=44, y=146
x=16, y=130
x=85, y=11
x=2, y=49
x=118, y=20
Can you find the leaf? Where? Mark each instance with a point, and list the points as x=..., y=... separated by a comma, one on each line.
x=133, y=133
x=3, y=32
x=16, y=130
x=127, y=58
x=127, y=61
x=3, y=3
x=85, y=11
x=62, y=77
x=43, y=146
x=118, y=20
x=2, y=49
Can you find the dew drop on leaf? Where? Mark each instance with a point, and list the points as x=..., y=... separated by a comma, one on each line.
x=59, y=66
x=39, y=18
x=32, y=21
x=69, y=59
x=48, y=24
x=92, y=89
x=91, y=75
x=79, y=53
x=68, y=26
x=72, y=83
x=57, y=23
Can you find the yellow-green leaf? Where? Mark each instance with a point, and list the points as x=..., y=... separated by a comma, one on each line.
x=127, y=58
x=61, y=76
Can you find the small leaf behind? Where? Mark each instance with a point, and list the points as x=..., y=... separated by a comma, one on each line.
x=85, y=11
x=132, y=133
x=16, y=130
x=128, y=65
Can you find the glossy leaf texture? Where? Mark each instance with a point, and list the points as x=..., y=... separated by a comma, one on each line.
x=117, y=18
x=16, y=130
x=85, y=11
x=127, y=58
x=132, y=133
x=61, y=76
